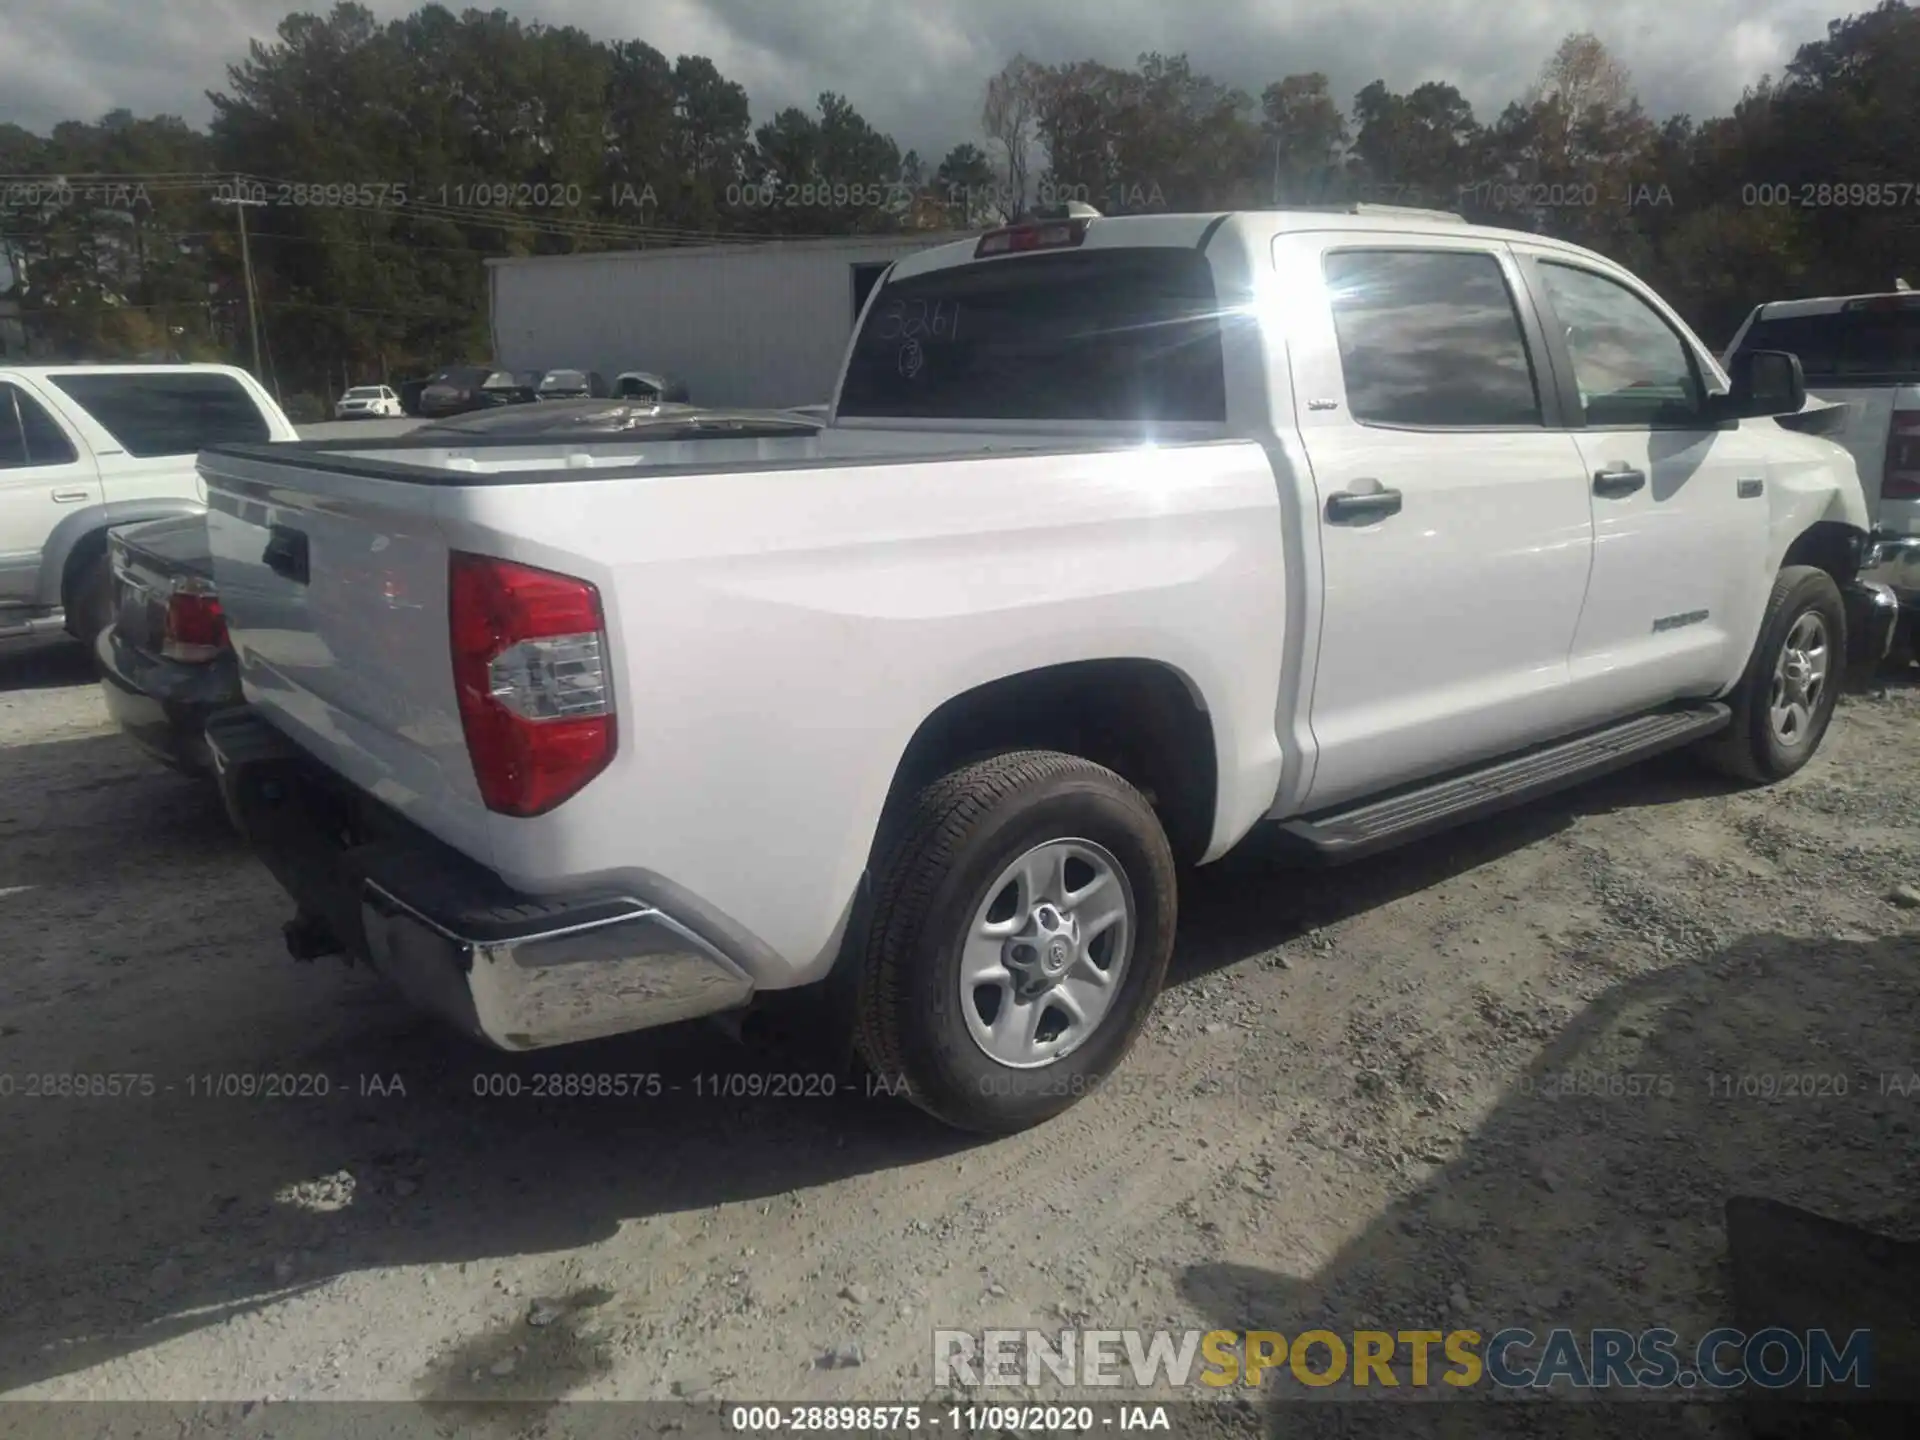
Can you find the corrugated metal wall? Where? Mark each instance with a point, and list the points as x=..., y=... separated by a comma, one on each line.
x=755, y=325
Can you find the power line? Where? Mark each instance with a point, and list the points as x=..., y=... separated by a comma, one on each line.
x=324, y=306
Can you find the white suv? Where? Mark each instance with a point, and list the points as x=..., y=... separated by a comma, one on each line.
x=84, y=448
x=364, y=401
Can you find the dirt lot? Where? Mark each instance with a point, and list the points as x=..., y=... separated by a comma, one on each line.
x=1346, y=1111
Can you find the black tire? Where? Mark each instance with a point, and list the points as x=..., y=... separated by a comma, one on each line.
x=957, y=837
x=1749, y=749
x=90, y=601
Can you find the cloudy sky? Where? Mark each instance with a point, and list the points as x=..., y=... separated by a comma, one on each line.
x=915, y=67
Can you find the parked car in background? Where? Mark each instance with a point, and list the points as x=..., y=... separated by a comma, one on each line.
x=569, y=385
x=366, y=402
x=650, y=385
x=1861, y=358
x=920, y=709
x=84, y=448
x=461, y=388
x=165, y=661
x=409, y=391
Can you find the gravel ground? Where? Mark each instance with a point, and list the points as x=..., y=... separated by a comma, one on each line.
x=1348, y=1111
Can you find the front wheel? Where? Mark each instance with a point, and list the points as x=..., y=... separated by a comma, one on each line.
x=1020, y=935
x=1792, y=682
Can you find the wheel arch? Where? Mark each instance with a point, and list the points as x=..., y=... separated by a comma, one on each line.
x=1143, y=719
x=83, y=534
x=1834, y=546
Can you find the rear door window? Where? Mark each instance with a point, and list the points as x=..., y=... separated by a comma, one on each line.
x=1430, y=339
x=167, y=412
x=1123, y=334
x=28, y=434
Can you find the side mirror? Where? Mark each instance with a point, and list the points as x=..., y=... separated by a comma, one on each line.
x=1767, y=382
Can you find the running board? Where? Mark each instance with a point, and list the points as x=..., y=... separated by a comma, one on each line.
x=15, y=629
x=1337, y=836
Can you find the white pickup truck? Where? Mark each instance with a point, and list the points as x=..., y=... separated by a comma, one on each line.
x=84, y=448
x=1126, y=536
x=1860, y=355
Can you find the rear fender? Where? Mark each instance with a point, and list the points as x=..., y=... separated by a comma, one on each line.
x=75, y=529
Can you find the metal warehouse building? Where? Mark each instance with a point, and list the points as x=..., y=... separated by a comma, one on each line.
x=759, y=324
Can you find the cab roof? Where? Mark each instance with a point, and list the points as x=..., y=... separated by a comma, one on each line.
x=1194, y=230
x=1829, y=304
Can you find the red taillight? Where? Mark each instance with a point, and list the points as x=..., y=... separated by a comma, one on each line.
x=1900, y=480
x=196, y=629
x=529, y=650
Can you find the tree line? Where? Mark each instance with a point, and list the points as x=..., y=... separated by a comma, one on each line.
x=379, y=163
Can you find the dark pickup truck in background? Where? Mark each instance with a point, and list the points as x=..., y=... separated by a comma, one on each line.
x=165, y=662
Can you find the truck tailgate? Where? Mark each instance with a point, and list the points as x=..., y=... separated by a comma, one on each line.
x=335, y=591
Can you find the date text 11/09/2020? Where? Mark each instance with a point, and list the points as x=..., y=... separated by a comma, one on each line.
x=1901, y=1082
x=462, y=195
x=648, y=1085
x=958, y=1419
x=1523, y=196
x=204, y=1085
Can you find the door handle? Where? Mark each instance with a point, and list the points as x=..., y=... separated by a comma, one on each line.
x=68, y=497
x=1623, y=481
x=1349, y=505
x=286, y=553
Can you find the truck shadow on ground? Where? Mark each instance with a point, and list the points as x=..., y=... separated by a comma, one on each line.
x=153, y=949
x=1794, y=1077
x=1263, y=894
x=44, y=664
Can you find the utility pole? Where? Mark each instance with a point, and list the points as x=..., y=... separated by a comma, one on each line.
x=240, y=202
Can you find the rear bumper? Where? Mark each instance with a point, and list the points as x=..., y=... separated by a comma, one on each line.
x=1873, y=616
x=520, y=972
x=1894, y=561
x=163, y=705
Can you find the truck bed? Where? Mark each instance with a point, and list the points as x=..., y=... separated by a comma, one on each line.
x=483, y=460
x=844, y=584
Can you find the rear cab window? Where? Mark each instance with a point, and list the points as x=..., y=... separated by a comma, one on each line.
x=1124, y=334
x=150, y=413
x=1874, y=341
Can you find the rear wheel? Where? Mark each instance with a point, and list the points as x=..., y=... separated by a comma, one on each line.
x=1021, y=932
x=1785, y=701
x=90, y=600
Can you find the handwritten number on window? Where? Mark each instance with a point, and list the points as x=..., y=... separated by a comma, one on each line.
x=915, y=320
